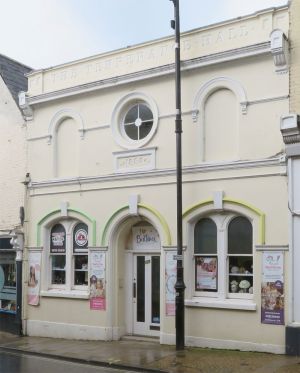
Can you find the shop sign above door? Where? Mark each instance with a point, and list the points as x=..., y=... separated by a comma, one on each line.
x=145, y=238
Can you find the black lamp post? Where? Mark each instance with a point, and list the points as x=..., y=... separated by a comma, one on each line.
x=179, y=286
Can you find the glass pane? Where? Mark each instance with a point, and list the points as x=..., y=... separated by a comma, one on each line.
x=80, y=237
x=240, y=236
x=81, y=270
x=240, y=274
x=9, y=274
x=131, y=131
x=58, y=269
x=155, y=274
x=140, y=280
x=205, y=237
x=145, y=112
x=131, y=115
x=5, y=243
x=58, y=239
x=145, y=129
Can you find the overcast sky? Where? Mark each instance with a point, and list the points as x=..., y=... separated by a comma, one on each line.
x=43, y=33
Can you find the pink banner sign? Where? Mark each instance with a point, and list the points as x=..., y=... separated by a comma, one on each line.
x=97, y=303
x=33, y=292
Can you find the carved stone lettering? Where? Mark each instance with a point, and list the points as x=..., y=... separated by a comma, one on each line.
x=134, y=162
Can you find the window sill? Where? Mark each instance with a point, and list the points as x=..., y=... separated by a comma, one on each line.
x=234, y=304
x=56, y=293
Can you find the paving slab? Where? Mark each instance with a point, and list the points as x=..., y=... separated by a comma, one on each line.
x=151, y=356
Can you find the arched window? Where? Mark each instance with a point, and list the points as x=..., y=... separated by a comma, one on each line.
x=206, y=259
x=67, y=148
x=68, y=255
x=223, y=255
x=240, y=258
x=58, y=254
x=221, y=126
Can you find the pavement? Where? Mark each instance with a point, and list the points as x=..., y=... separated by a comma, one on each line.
x=147, y=355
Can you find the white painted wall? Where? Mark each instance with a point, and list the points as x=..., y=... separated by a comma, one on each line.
x=12, y=160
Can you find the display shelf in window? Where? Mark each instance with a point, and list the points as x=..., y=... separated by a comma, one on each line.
x=240, y=274
x=81, y=270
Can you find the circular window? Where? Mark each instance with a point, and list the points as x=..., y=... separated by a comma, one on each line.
x=138, y=122
x=134, y=120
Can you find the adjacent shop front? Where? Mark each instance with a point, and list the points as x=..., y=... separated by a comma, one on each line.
x=7, y=285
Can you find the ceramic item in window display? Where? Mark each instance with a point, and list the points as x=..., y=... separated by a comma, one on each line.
x=234, y=286
x=241, y=270
x=251, y=290
x=234, y=269
x=244, y=285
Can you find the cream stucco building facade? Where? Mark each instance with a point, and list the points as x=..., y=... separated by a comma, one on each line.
x=102, y=195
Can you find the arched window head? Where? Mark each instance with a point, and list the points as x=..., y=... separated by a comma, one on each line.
x=240, y=236
x=205, y=237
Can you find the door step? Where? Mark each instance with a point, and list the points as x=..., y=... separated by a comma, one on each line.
x=140, y=338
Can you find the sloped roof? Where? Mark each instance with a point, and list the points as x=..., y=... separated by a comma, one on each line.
x=13, y=75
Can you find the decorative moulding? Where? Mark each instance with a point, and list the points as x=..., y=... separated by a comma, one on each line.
x=244, y=52
x=201, y=168
x=280, y=51
x=25, y=107
x=117, y=116
x=213, y=85
x=129, y=161
x=290, y=128
x=62, y=115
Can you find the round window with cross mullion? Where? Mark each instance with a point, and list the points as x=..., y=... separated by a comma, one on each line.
x=134, y=120
x=138, y=122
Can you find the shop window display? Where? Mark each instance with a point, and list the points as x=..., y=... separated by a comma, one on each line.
x=7, y=276
x=223, y=256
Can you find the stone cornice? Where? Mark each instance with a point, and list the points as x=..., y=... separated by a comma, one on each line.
x=248, y=51
x=187, y=170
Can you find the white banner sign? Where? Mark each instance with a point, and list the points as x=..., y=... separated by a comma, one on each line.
x=97, y=281
x=171, y=273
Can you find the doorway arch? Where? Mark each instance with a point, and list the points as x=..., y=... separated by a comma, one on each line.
x=128, y=262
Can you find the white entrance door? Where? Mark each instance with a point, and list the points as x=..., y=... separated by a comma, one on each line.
x=146, y=294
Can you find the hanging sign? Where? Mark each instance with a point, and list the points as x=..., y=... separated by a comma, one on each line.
x=34, y=280
x=170, y=277
x=272, y=288
x=97, y=281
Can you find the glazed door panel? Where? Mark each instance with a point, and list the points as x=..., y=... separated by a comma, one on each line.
x=146, y=295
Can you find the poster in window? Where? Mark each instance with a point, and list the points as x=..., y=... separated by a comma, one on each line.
x=206, y=273
x=34, y=278
x=58, y=240
x=170, y=276
x=272, y=288
x=97, y=281
x=80, y=238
